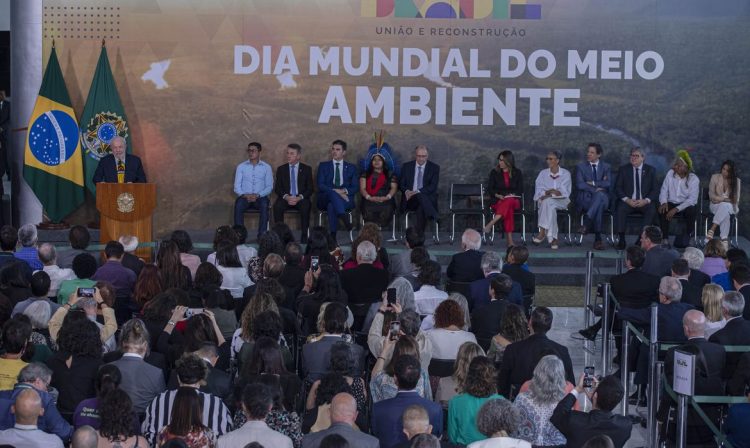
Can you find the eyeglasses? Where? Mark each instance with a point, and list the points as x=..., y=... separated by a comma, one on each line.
x=637, y=156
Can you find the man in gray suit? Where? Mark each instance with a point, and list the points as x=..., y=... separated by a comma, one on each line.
x=343, y=415
x=140, y=380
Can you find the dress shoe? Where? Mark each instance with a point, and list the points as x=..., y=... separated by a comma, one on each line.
x=598, y=245
x=583, y=230
x=621, y=244
x=554, y=245
x=538, y=239
x=588, y=333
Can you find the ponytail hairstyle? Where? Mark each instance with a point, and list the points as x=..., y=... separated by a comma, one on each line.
x=107, y=379
x=134, y=337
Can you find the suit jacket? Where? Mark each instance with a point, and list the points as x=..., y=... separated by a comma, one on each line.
x=349, y=178
x=316, y=357
x=659, y=261
x=739, y=381
x=699, y=279
x=387, y=423
x=496, y=184
x=745, y=291
x=365, y=283
x=479, y=292
x=624, y=186
x=106, y=171
x=735, y=332
x=691, y=294
x=50, y=422
x=355, y=438
x=140, y=380
x=585, y=174
x=430, y=179
x=283, y=183
x=521, y=358
x=133, y=263
x=669, y=323
x=713, y=353
x=466, y=266
x=635, y=288
x=525, y=278
x=485, y=321
x=578, y=427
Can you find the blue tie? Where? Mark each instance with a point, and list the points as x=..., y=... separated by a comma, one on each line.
x=293, y=177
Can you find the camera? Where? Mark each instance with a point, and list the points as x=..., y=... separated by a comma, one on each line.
x=395, y=330
x=588, y=377
x=86, y=292
x=314, y=261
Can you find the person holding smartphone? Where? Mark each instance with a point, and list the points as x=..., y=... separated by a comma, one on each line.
x=91, y=302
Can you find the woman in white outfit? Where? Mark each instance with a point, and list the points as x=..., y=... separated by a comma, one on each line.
x=552, y=193
x=724, y=193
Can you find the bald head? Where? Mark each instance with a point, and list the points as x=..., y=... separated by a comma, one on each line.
x=694, y=324
x=343, y=409
x=28, y=407
x=85, y=437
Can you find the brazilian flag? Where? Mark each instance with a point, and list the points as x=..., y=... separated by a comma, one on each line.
x=53, y=165
x=103, y=118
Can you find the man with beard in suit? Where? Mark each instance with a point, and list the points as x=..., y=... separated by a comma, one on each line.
x=294, y=188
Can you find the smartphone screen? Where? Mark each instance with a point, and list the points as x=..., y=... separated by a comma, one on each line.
x=314, y=260
x=395, y=330
x=391, y=295
x=86, y=292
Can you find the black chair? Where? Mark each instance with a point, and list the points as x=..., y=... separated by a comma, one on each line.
x=296, y=212
x=462, y=196
x=394, y=224
x=706, y=216
x=520, y=213
x=350, y=216
x=441, y=368
x=435, y=236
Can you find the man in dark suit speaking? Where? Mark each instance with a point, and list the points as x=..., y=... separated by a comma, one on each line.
x=419, y=183
x=294, y=188
x=119, y=167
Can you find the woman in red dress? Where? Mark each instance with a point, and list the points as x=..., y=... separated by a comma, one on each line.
x=505, y=188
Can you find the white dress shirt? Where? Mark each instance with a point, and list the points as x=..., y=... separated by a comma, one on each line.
x=56, y=276
x=683, y=192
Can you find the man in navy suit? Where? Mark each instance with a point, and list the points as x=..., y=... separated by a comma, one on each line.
x=338, y=181
x=636, y=191
x=592, y=183
x=419, y=185
x=119, y=167
x=387, y=421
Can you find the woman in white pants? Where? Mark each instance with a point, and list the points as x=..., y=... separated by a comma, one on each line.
x=724, y=193
x=552, y=193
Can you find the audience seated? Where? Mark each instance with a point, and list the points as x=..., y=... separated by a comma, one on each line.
x=450, y=386
x=343, y=415
x=293, y=275
x=479, y=290
x=129, y=259
x=520, y=358
x=513, y=328
x=257, y=401
x=369, y=232
x=578, y=427
x=384, y=383
x=37, y=377
x=364, y=284
x=235, y=278
x=428, y=297
x=316, y=356
x=419, y=257
x=691, y=294
x=280, y=419
x=466, y=266
x=141, y=381
x=714, y=258
x=39, y=317
x=659, y=257
x=25, y=433
x=268, y=243
x=117, y=420
x=48, y=257
x=27, y=237
x=185, y=421
x=79, y=239
x=343, y=364
x=16, y=334
x=485, y=320
x=546, y=389
x=185, y=244
x=199, y=328
x=219, y=302
x=317, y=415
x=480, y=387
x=321, y=286
x=736, y=331
x=387, y=424
x=107, y=379
x=40, y=283
x=260, y=320
x=267, y=360
x=498, y=421
x=147, y=285
x=695, y=261
x=517, y=270
x=172, y=272
x=122, y=278
x=400, y=263
x=84, y=267
x=735, y=257
x=448, y=334
x=245, y=251
x=191, y=373
x=409, y=323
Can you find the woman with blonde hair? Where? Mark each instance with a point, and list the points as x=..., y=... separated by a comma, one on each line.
x=453, y=385
x=711, y=299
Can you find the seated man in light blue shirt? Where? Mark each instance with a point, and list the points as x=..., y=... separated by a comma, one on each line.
x=253, y=182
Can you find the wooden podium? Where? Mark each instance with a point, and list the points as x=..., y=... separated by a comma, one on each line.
x=126, y=209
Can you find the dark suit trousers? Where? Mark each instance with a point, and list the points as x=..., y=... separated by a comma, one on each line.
x=335, y=207
x=688, y=215
x=623, y=210
x=260, y=204
x=303, y=206
x=423, y=208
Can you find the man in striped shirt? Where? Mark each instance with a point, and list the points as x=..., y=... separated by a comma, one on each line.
x=192, y=371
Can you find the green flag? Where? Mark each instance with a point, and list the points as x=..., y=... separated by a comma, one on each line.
x=52, y=156
x=102, y=120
